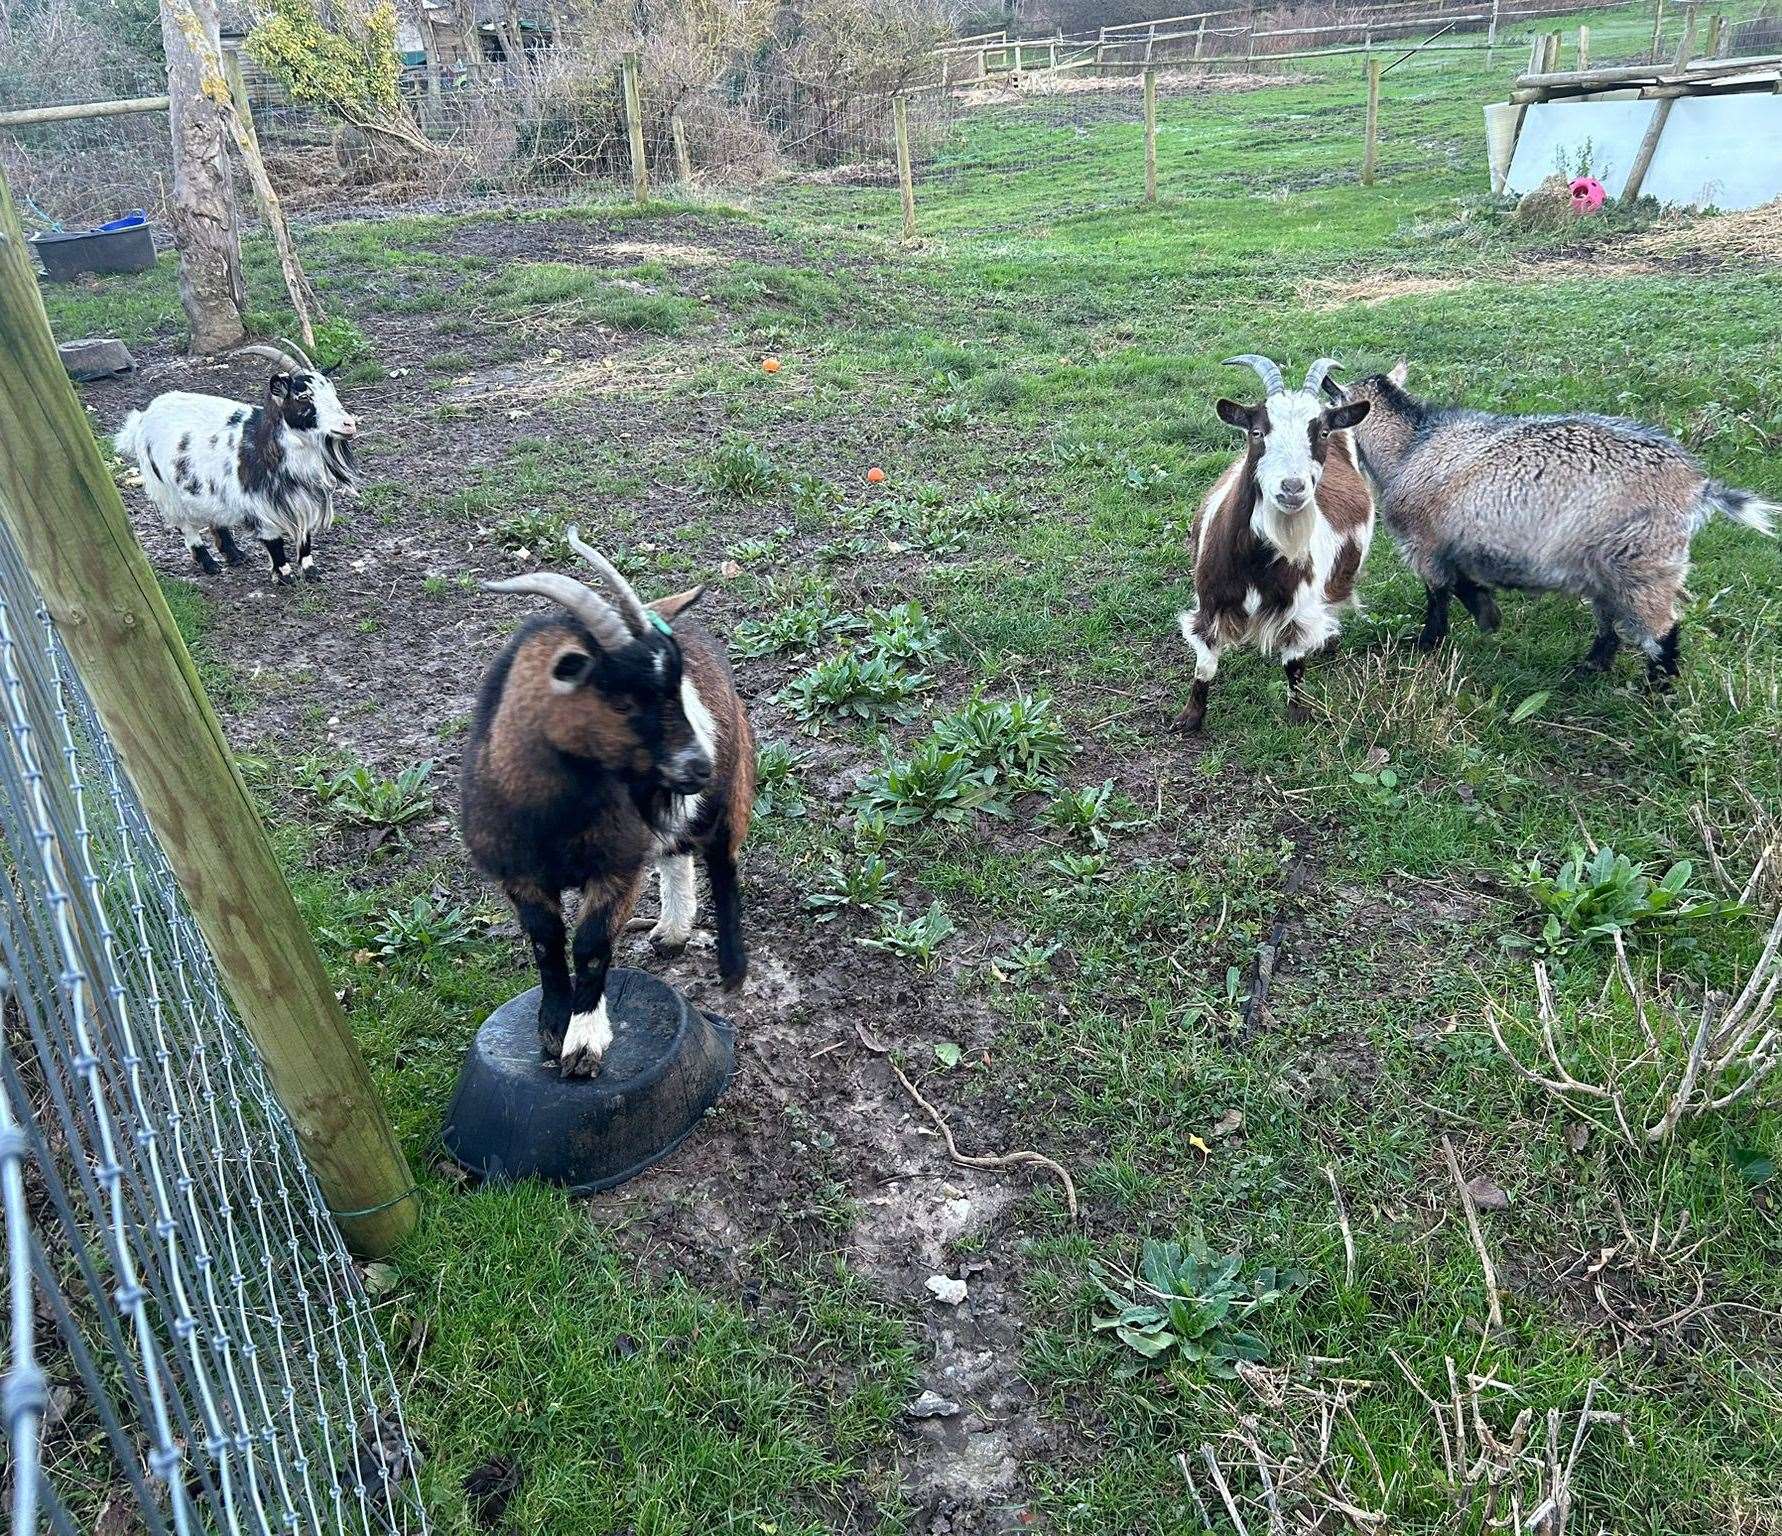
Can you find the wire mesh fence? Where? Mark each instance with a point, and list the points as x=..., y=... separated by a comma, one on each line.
x=553, y=129
x=188, y=1346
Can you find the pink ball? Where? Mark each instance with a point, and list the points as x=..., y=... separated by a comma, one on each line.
x=1587, y=194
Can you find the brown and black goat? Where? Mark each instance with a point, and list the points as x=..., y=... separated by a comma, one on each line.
x=1282, y=534
x=607, y=737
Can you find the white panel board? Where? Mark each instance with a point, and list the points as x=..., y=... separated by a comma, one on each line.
x=1724, y=151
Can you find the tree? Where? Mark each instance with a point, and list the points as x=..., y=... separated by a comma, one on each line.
x=206, y=226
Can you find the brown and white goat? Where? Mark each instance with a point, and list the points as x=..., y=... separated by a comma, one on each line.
x=1282, y=534
x=607, y=737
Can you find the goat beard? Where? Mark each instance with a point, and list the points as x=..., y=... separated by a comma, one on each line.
x=337, y=454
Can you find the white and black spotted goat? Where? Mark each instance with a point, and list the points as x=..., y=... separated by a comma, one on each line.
x=216, y=467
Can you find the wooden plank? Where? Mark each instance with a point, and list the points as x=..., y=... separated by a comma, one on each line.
x=63, y=510
x=906, y=181
x=1683, y=73
x=238, y=89
x=25, y=117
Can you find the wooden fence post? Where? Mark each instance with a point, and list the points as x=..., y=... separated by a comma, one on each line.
x=1150, y=135
x=1657, y=30
x=683, y=162
x=1716, y=32
x=640, y=165
x=1491, y=36
x=1583, y=48
x=1200, y=39
x=1661, y=111
x=59, y=503
x=1550, y=54
x=906, y=181
x=1370, y=153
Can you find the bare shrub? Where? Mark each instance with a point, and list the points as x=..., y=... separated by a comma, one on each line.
x=1678, y=1068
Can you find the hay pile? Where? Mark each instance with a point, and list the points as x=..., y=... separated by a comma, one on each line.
x=1548, y=206
x=1753, y=236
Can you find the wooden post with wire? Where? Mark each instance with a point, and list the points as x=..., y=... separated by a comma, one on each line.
x=640, y=165
x=683, y=162
x=1657, y=30
x=59, y=503
x=906, y=181
x=1661, y=112
x=1583, y=48
x=1370, y=153
x=1150, y=135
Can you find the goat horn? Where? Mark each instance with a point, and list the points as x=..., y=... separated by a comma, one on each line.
x=295, y=352
x=600, y=617
x=630, y=604
x=1315, y=375
x=284, y=359
x=1267, y=371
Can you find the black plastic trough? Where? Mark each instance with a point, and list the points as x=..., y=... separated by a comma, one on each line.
x=68, y=256
x=514, y=1117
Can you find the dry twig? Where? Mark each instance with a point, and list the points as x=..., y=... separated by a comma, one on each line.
x=1342, y=1211
x=1495, y=1315
x=967, y=1159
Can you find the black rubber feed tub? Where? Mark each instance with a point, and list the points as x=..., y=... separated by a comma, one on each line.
x=513, y=1117
x=66, y=257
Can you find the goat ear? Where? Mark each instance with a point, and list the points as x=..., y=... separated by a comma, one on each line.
x=570, y=668
x=672, y=608
x=1340, y=418
x=1233, y=414
x=280, y=385
x=1401, y=370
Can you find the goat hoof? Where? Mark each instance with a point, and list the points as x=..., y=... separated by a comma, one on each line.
x=1298, y=714
x=1190, y=721
x=1426, y=642
x=733, y=982
x=1487, y=617
x=579, y=1064
x=667, y=947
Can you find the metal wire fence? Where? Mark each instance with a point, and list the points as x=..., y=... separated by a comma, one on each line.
x=554, y=130
x=188, y=1347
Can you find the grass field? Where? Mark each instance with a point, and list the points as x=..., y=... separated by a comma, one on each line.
x=1063, y=921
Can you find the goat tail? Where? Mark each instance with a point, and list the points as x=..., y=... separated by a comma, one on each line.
x=128, y=439
x=1745, y=507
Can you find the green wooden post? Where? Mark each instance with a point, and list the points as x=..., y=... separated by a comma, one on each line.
x=60, y=505
x=1150, y=135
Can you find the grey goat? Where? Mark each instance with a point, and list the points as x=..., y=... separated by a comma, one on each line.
x=1593, y=505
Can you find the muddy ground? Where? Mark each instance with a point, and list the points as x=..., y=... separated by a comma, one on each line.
x=366, y=661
